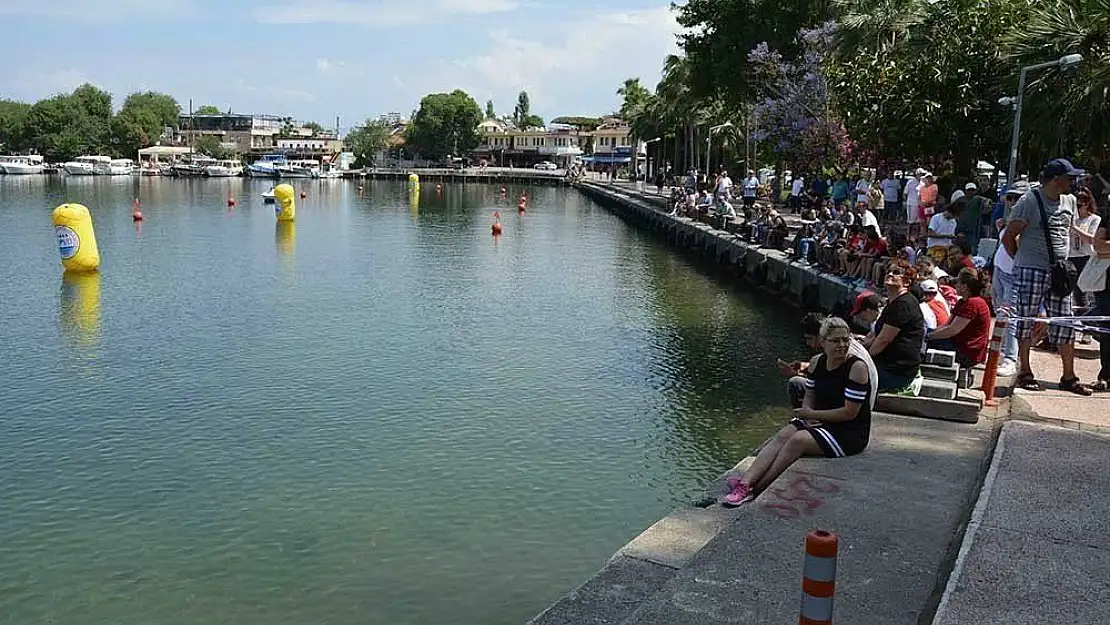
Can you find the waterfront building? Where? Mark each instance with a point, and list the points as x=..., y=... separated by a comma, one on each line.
x=613, y=144
x=503, y=144
x=239, y=132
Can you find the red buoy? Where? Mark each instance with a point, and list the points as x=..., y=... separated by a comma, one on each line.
x=230, y=200
x=496, y=228
x=303, y=195
x=136, y=214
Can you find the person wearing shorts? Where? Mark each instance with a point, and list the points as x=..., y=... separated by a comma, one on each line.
x=1025, y=240
x=833, y=422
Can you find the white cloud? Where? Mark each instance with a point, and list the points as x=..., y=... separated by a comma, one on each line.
x=96, y=10
x=376, y=12
x=325, y=66
x=41, y=84
x=587, y=59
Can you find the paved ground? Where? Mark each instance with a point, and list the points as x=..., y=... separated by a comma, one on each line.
x=897, y=509
x=1034, y=551
x=1060, y=407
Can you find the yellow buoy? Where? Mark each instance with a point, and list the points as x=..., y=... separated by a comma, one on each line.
x=80, y=307
x=286, y=204
x=73, y=228
x=414, y=198
x=414, y=179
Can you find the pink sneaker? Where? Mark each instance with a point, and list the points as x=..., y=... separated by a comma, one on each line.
x=739, y=492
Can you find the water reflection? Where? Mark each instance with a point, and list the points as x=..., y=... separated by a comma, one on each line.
x=79, y=310
x=285, y=239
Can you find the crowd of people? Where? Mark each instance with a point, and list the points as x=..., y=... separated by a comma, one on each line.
x=1039, y=255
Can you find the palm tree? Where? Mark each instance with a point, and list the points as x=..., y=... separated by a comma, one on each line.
x=1067, y=109
x=877, y=26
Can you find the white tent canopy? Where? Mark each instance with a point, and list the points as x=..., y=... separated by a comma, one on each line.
x=157, y=153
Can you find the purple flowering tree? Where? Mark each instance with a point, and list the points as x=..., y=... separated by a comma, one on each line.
x=793, y=114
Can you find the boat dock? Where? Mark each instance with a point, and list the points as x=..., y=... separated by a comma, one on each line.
x=483, y=175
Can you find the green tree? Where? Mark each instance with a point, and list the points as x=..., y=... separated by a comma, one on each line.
x=314, y=127
x=1065, y=111
x=208, y=109
x=12, y=117
x=635, y=98
x=141, y=121
x=65, y=126
x=489, y=110
x=210, y=145
x=720, y=33
x=446, y=123
x=947, y=116
x=367, y=140
x=522, y=113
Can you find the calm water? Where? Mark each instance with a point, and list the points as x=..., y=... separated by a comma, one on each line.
x=381, y=415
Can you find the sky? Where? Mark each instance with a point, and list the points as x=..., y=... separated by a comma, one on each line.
x=318, y=59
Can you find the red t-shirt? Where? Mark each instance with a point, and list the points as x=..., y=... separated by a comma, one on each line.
x=877, y=247
x=972, y=341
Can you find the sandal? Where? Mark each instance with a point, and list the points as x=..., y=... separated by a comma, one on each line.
x=1073, y=385
x=1027, y=382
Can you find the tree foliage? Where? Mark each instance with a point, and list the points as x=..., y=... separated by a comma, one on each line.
x=315, y=127
x=912, y=81
x=210, y=145
x=522, y=113
x=208, y=109
x=793, y=112
x=367, y=140
x=65, y=126
x=445, y=124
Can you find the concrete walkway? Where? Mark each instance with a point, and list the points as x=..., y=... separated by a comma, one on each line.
x=1034, y=550
x=897, y=509
x=1058, y=407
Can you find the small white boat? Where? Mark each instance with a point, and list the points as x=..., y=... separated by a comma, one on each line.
x=21, y=165
x=88, y=166
x=268, y=196
x=302, y=168
x=224, y=169
x=193, y=165
x=267, y=166
x=120, y=167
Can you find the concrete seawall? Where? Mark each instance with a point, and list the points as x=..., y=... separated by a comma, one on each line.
x=766, y=268
x=900, y=507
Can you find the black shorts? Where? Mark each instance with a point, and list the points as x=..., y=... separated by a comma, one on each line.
x=749, y=201
x=835, y=442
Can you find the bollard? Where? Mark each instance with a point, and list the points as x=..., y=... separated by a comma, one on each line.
x=818, y=578
x=994, y=353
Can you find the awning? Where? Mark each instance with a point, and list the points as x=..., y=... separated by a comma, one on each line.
x=605, y=160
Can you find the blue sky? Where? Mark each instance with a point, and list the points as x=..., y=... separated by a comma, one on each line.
x=316, y=59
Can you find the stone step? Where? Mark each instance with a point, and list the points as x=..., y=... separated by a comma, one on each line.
x=938, y=389
x=937, y=372
x=940, y=358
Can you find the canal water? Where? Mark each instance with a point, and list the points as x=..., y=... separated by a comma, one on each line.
x=380, y=415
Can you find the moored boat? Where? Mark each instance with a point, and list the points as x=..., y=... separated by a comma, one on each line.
x=21, y=165
x=224, y=169
x=89, y=165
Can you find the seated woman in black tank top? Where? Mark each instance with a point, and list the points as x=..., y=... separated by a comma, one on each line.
x=834, y=420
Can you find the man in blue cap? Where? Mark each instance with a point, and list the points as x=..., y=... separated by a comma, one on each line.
x=1035, y=245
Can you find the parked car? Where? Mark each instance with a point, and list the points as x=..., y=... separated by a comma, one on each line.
x=546, y=165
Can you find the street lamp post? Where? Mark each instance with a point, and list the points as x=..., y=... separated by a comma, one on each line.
x=647, y=159
x=1064, y=61
x=709, y=143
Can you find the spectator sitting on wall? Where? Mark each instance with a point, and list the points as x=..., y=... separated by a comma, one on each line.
x=969, y=327
x=895, y=343
x=834, y=420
